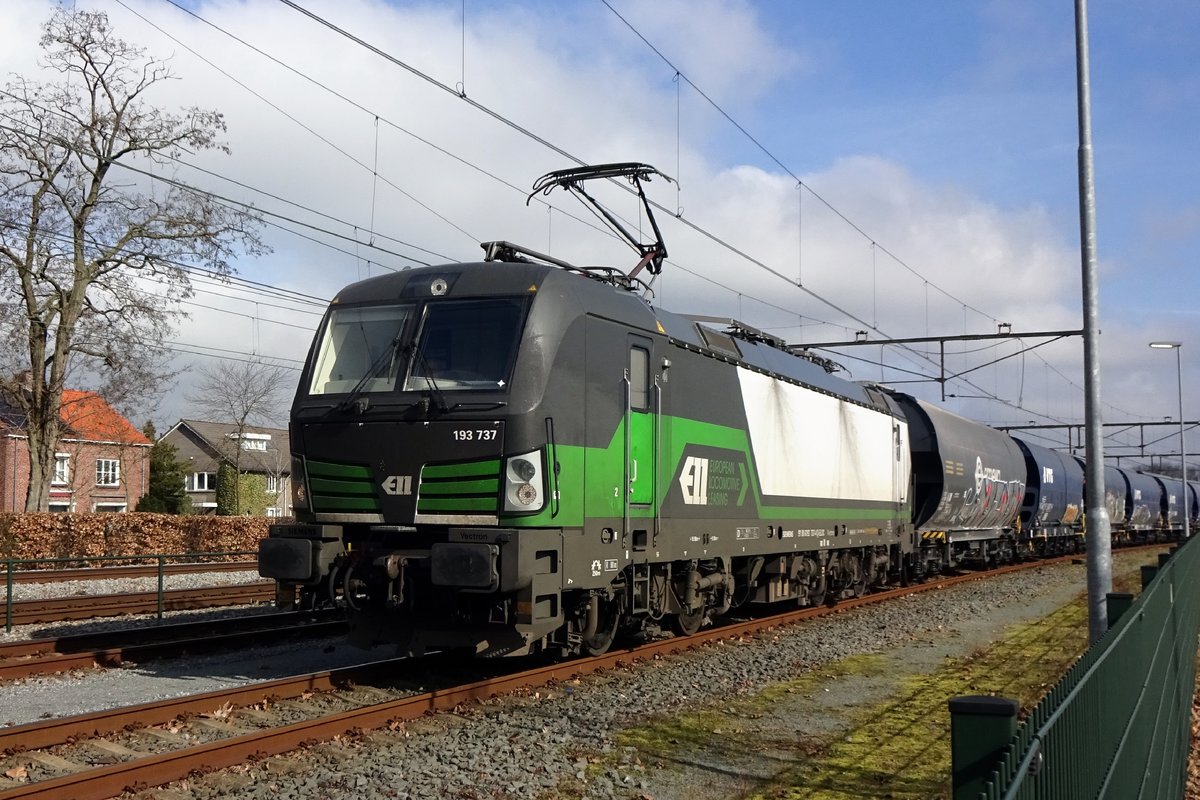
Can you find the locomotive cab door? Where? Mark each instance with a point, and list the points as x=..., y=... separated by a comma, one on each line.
x=642, y=402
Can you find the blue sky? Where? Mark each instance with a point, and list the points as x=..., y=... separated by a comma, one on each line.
x=944, y=130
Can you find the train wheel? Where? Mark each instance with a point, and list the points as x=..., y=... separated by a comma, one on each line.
x=606, y=629
x=688, y=623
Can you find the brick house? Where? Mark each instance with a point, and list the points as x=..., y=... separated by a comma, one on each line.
x=203, y=446
x=102, y=462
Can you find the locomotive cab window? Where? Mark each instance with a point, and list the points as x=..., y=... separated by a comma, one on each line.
x=467, y=344
x=639, y=362
x=360, y=349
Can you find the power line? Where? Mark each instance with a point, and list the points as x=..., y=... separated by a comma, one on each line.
x=390, y=183
x=504, y=120
x=254, y=210
x=211, y=278
x=245, y=207
x=560, y=151
x=377, y=116
x=799, y=182
x=517, y=127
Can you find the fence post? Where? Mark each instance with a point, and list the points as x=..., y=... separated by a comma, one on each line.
x=1118, y=603
x=981, y=727
x=1148, y=573
x=161, y=568
x=8, y=595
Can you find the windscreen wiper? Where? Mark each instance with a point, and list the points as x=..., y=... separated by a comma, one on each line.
x=435, y=393
x=352, y=400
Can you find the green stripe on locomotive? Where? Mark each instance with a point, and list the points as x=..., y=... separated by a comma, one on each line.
x=588, y=477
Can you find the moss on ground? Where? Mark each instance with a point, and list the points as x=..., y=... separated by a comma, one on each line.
x=734, y=724
x=901, y=748
x=898, y=747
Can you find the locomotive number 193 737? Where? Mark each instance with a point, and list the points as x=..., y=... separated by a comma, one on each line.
x=471, y=435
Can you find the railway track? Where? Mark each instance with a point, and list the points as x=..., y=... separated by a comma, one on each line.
x=23, y=659
x=131, y=571
x=60, y=609
x=228, y=727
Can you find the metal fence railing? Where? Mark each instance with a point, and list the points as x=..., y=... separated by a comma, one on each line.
x=29, y=566
x=1116, y=727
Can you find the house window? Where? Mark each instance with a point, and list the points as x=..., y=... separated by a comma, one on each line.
x=109, y=507
x=108, y=472
x=273, y=484
x=253, y=441
x=202, y=482
x=62, y=469
x=60, y=508
x=274, y=512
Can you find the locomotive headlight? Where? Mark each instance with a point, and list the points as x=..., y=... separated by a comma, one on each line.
x=523, y=468
x=299, y=484
x=524, y=489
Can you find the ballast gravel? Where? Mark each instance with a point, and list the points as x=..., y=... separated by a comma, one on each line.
x=557, y=742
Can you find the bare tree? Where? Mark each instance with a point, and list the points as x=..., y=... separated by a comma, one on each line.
x=243, y=394
x=92, y=265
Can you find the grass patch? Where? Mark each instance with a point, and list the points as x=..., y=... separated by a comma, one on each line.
x=821, y=736
x=900, y=749
x=734, y=725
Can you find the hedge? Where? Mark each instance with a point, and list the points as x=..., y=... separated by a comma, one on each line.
x=57, y=535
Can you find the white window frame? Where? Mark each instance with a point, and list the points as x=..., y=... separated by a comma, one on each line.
x=252, y=441
x=61, y=506
x=210, y=482
x=113, y=472
x=110, y=507
x=62, y=469
x=272, y=483
x=272, y=511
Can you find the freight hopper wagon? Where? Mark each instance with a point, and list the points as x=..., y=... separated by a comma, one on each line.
x=1051, y=519
x=969, y=484
x=1127, y=498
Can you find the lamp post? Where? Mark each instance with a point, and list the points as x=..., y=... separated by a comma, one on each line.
x=1178, y=348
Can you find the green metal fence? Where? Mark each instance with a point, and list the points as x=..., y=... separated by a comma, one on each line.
x=1117, y=726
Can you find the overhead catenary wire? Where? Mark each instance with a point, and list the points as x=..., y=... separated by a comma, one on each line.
x=676, y=213
x=704, y=277
x=799, y=181
x=373, y=170
x=246, y=207
x=565, y=154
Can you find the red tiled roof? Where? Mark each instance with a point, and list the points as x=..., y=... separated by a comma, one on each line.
x=87, y=416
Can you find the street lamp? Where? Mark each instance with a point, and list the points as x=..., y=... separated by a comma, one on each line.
x=1178, y=348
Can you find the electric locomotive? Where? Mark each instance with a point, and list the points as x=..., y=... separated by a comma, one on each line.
x=522, y=455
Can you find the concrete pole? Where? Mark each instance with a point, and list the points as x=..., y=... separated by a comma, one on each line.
x=1099, y=527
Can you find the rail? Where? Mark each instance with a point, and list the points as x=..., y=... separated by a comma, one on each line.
x=23, y=566
x=1116, y=727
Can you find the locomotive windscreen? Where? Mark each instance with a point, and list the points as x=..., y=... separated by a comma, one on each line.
x=467, y=344
x=359, y=348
